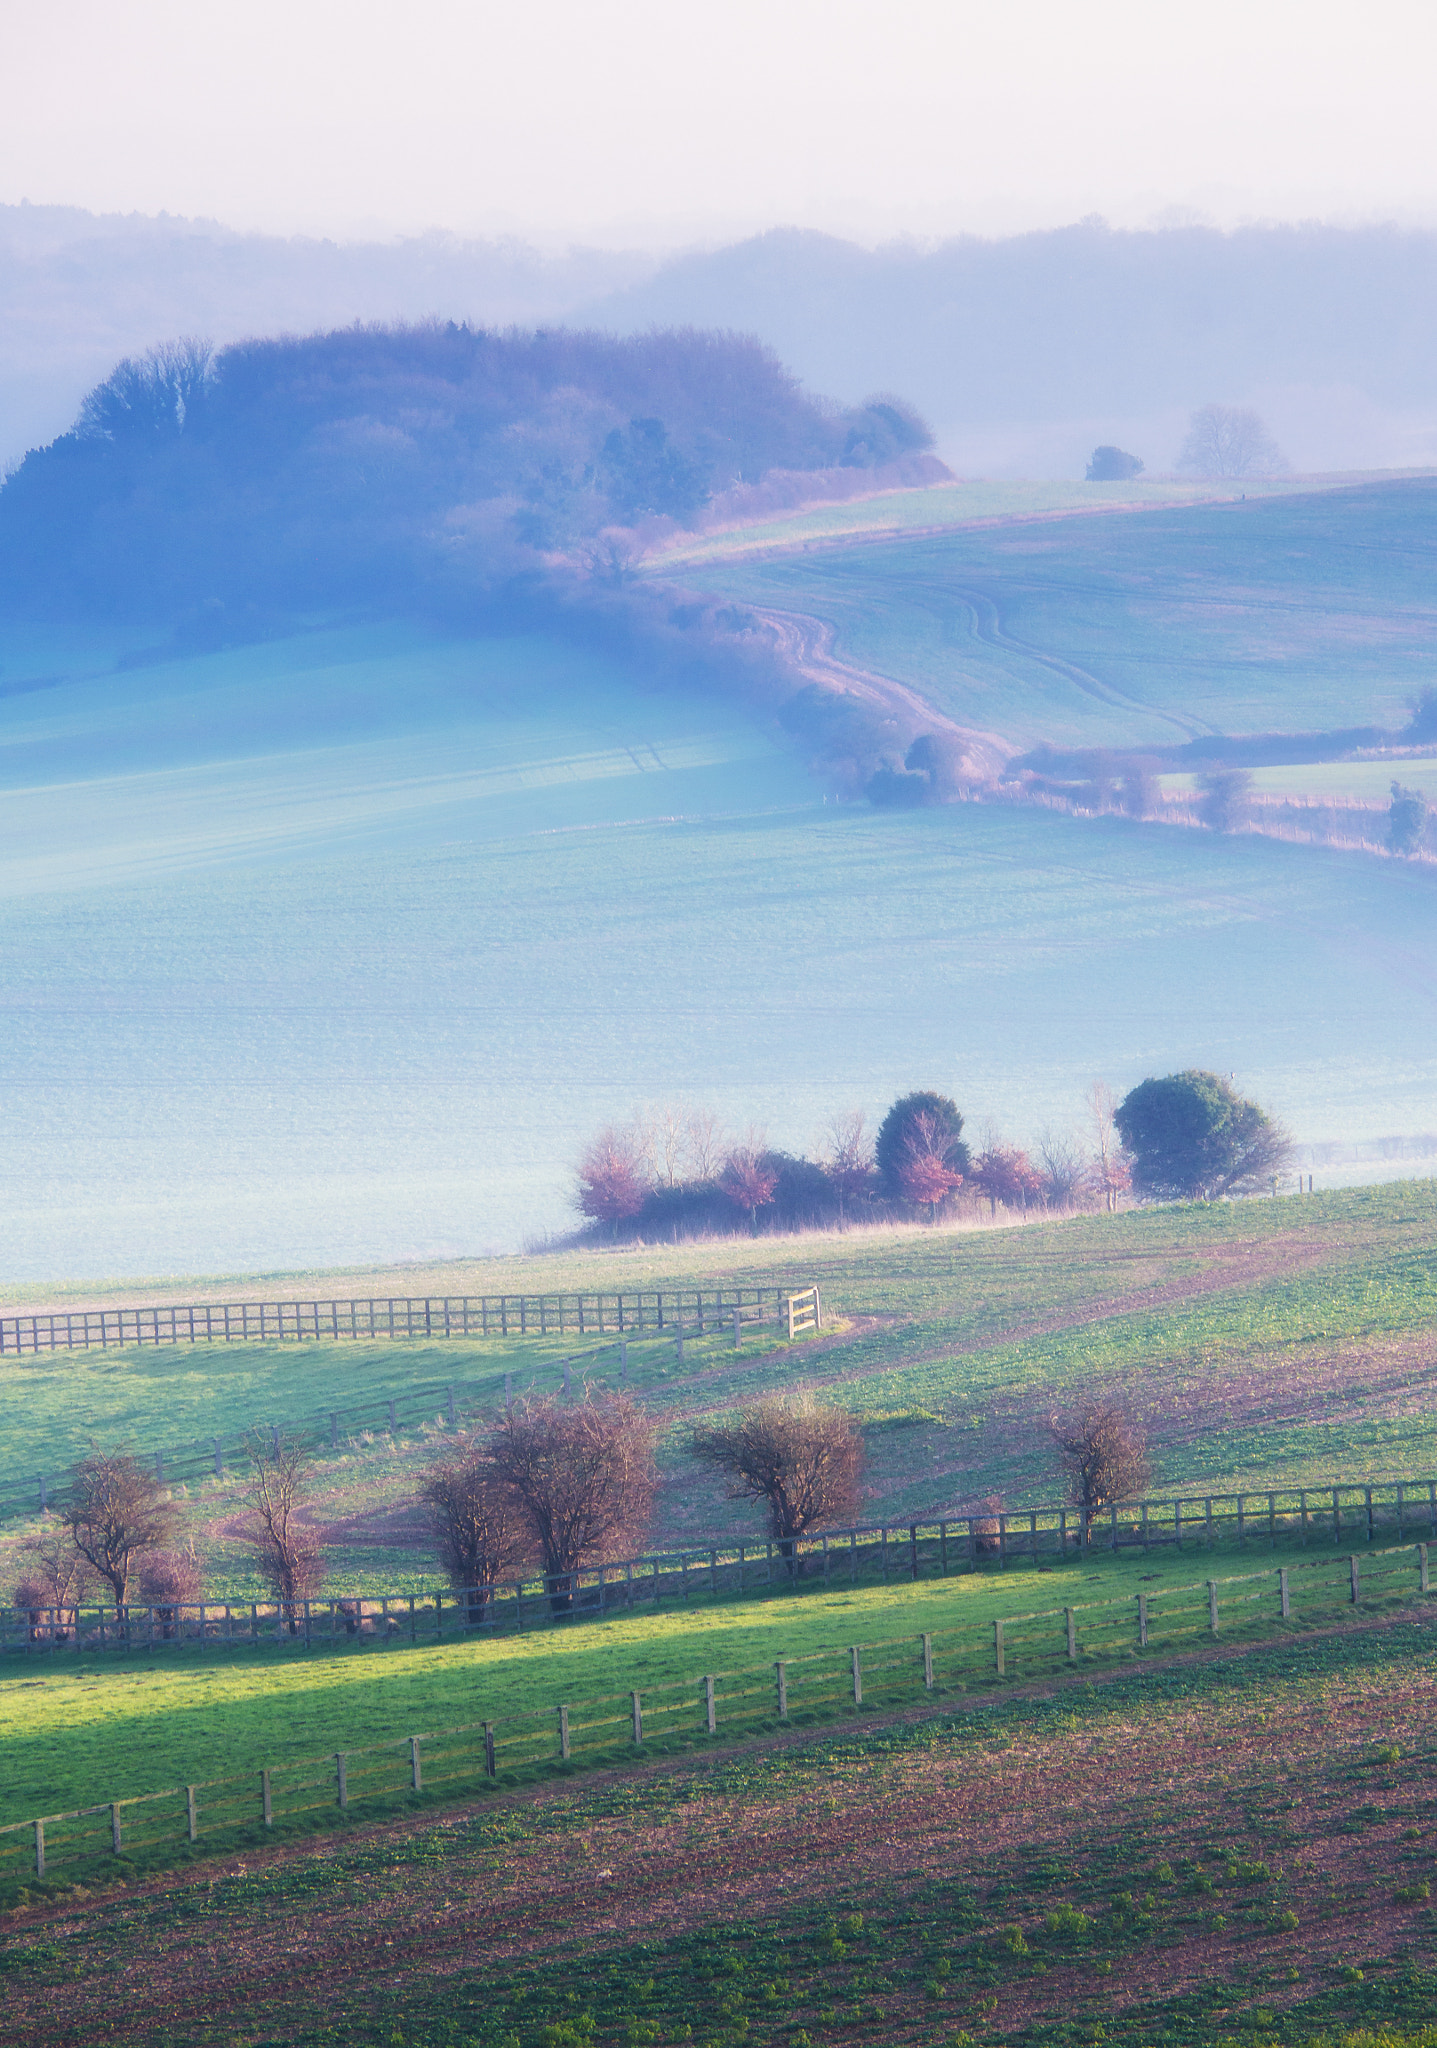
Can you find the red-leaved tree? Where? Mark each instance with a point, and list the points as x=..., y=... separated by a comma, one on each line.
x=749, y=1181
x=923, y=1172
x=1006, y=1175
x=613, y=1178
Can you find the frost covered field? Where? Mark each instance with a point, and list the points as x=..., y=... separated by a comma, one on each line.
x=333, y=949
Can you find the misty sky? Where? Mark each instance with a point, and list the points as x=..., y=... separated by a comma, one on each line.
x=664, y=121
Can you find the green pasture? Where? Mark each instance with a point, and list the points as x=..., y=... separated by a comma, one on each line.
x=1162, y=625
x=967, y=502
x=1304, y=1368
x=938, y=1291
x=80, y=1730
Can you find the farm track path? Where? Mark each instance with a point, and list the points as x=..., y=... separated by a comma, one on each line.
x=954, y=1814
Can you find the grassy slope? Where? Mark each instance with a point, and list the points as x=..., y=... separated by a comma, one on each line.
x=1235, y=1851
x=971, y=502
x=1267, y=1343
x=1286, y=614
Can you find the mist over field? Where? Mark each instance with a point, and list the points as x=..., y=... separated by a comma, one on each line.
x=421, y=744
x=1024, y=352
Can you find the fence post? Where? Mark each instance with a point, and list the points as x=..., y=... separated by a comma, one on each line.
x=341, y=1776
x=817, y=1310
x=1212, y=1605
x=1282, y=1589
x=568, y=1390
x=39, y=1848
x=927, y=1642
x=563, y=1735
x=451, y=1407
x=1072, y=1635
x=265, y=1799
x=1352, y=1561
x=1241, y=1525
x=856, y=1658
x=490, y=1767
x=998, y=1646
x=709, y=1703
x=1422, y=1565
x=782, y=1690
x=1207, y=1504
x=1142, y=1621
x=416, y=1773
x=192, y=1813
x=115, y=1825
x=638, y=1720
x=788, y=1310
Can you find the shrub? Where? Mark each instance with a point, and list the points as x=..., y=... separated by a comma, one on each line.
x=478, y=1522
x=1068, y=1922
x=1413, y=1894
x=803, y=1460
x=169, y=1580
x=1103, y=1454
x=118, y=1513
x=585, y=1476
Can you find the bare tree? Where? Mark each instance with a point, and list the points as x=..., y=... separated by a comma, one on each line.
x=170, y=1580
x=288, y=1552
x=613, y=1178
x=1104, y=1455
x=1229, y=442
x=1064, y=1174
x=479, y=1524
x=707, y=1146
x=849, y=1158
x=56, y=1580
x=1109, y=1175
x=804, y=1461
x=585, y=1477
x=118, y=1512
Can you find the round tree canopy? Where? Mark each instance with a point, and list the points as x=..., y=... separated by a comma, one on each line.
x=1192, y=1136
x=891, y=1150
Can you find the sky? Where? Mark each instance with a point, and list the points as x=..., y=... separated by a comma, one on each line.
x=660, y=123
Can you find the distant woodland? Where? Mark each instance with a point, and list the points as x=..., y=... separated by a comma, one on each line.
x=439, y=464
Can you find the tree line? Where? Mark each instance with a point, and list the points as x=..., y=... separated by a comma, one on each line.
x=672, y=1172
x=552, y=1487
x=436, y=463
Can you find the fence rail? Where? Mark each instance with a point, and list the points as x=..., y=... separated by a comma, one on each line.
x=703, y=1313
x=811, y=1686
x=397, y=1316
x=877, y=1552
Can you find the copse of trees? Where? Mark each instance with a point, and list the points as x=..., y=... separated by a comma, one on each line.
x=430, y=462
x=919, y=1131
x=1191, y=1137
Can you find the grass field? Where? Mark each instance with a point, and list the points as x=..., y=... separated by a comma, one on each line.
x=1284, y=614
x=1236, y=1851
x=971, y=502
x=1266, y=1343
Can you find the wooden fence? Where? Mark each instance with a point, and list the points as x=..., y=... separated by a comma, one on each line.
x=710, y=1312
x=878, y=1553
x=811, y=1687
x=430, y=1316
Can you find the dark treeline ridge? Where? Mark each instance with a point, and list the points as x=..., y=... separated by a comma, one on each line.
x=434, y=464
